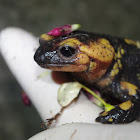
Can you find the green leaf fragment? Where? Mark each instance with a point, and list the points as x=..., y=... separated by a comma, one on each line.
x=108, y=107
x=43, y=74
x=97, y=102
x=75, y=27
x=68, y=92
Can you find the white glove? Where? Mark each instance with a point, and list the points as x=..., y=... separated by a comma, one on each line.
x=18, y=47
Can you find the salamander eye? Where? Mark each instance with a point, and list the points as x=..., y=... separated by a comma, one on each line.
x=67, y=51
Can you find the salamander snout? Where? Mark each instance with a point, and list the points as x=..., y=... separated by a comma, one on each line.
x=43, y=57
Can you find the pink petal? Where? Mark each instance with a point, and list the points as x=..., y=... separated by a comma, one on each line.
x=63, y=30
x=26, y=101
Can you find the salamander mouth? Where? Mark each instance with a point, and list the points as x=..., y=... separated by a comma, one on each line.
x=53, y=65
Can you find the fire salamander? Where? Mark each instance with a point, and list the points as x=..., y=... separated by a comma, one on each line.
x=111, y=64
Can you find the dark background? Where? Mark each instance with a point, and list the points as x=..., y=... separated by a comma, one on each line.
x=114, y=17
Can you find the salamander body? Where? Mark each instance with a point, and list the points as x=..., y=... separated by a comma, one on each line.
x=111, y=64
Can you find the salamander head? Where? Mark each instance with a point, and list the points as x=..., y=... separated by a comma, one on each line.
x=75, y=52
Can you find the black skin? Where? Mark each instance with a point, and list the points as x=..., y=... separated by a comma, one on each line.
x=130, y=61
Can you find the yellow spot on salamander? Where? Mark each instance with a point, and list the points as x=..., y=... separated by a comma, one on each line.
x=119, y=63
x=105, y=42
x=46, y=37
x=100, y=50
x=116, y=71
x=82, y=59
x=122, y=51
x=71, y=41
x=110, y=120
x=115, y=66
x=72, y=44
x=115, y=56
x=130, y=87
x=119, y=54
x=112, y=73
x=104, y=113
x=126, y=105
x=131, y=42
x=92, y=66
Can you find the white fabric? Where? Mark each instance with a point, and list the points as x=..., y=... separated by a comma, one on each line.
x=17, y=48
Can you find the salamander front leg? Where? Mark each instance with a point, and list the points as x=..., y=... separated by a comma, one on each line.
x=125, y=112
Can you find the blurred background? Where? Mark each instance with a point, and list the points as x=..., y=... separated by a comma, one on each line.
x=118, y=18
